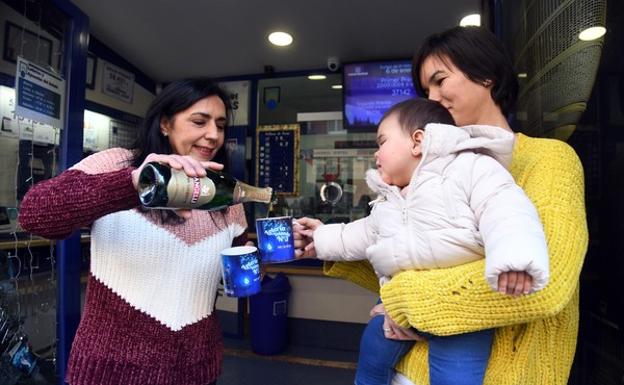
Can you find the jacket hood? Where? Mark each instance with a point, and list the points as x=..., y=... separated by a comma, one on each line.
x=442, y=140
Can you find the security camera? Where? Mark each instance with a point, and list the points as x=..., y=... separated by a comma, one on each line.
x=333, y=63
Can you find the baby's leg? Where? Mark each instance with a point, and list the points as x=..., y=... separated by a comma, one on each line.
x=378, y=355
x=460, y=359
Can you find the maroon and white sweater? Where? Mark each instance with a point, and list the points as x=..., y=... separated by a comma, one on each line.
x=148, y=316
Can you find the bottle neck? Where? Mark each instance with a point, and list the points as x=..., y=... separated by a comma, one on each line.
x=247, y=193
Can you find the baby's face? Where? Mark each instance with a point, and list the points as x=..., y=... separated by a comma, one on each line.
x=398, y=154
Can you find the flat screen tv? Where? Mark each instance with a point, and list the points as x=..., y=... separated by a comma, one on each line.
x=371, y=88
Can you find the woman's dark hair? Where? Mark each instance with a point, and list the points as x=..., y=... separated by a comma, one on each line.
x=174, y=98
x=479, y=55
x=415, y=114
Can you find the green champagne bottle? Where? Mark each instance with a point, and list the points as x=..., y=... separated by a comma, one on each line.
x=163, y=187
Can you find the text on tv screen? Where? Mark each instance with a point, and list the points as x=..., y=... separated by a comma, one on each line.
x=370, y=89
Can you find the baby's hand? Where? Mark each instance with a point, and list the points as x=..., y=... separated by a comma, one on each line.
x=515, y=283
x=304, y=241
x=306, y=252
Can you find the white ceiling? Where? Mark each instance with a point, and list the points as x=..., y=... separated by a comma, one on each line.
x=169, y=39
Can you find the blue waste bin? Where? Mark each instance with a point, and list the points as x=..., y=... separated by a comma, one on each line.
x=268, y=316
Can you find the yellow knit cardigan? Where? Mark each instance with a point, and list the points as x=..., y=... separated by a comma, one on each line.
x=536, y=334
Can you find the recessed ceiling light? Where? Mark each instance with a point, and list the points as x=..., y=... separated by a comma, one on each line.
x=337, y=86
x=317, y=77
x=592, y=33
x=522, y=75
x=473, y=20
x=281, y=39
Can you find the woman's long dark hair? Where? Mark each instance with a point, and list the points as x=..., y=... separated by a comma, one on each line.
x=174, y=98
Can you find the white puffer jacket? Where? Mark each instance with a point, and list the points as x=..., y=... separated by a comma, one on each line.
x=461, y=198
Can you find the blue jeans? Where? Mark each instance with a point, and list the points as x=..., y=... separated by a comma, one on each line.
x=453, y=360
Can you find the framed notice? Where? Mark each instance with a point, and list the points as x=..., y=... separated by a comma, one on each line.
x=277, y=158
x=117, y=82
x=40, y=94
x=19, y=41
x=91, y=70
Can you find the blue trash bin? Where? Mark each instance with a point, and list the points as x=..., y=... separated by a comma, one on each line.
x=268, y=316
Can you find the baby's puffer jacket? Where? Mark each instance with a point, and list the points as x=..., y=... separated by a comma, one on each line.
x=462, y=204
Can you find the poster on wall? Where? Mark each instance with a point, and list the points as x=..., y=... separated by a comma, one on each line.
x=37, y=132
x=40, y=94
x=8, y=156
x=90, y=137
x=239, y=97
x=117, y=83
x=277, y=158
x=13, y=126
x=8, y=126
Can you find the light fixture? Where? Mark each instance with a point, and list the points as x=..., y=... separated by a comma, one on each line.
x=592, y=33
x=317, y=77
x=470, y=20
x=337, y=86
x=281, y=39
x=522, y=75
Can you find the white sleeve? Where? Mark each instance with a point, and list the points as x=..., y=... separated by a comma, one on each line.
x=344, y=242
x=512, y=232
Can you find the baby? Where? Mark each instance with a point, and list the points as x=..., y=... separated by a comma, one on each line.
x=444, y=198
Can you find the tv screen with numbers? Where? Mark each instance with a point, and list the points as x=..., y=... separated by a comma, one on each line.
x=371, y=88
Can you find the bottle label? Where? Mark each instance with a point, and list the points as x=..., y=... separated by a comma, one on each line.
x=246, y=193
x=189, y=192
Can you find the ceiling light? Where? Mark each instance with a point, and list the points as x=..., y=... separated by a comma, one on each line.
x=523, y=75
x=592, y=33
x=280, y=38
x=337, y=86
x=317, y=77
x=470, y=20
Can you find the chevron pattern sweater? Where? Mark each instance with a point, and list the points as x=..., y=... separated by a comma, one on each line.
x=536, y=334
x=148, y=315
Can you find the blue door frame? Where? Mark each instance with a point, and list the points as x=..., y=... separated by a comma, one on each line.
x=76, y=42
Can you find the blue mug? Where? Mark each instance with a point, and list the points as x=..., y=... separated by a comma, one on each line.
x=241, y=271
x=275, y=239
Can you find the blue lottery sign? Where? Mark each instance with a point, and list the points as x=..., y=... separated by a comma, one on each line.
x=39, y=94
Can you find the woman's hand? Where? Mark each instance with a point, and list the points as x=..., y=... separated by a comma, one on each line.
x=191, y=167
x=303, y=230
x=391, y=329
x=395, y=332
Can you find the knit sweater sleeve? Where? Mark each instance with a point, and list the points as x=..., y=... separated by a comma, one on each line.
x=359, y=272
x=458, y=300
x=56, y=207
